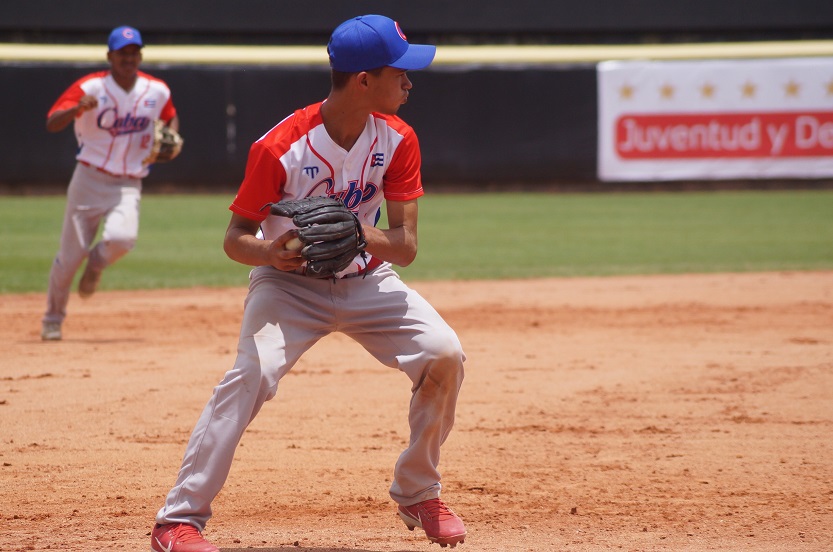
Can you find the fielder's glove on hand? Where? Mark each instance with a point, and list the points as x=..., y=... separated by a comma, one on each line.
x=331, y=233
x=167, y=143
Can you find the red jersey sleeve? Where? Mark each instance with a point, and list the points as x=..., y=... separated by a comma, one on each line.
x=69, y=98
x=168, y=111
x=403, y=179
x=262, y=184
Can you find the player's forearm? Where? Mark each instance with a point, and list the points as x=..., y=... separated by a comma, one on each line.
x=395, y=245
x=247, y=249
x=59, y=120
x=174, y=123
x=243, y=246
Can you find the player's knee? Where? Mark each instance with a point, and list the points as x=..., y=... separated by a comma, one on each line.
x=446, y=345
x=255, y=377
x=447, y=360
x=268, y=389
x=114, y=249
x=121, y=245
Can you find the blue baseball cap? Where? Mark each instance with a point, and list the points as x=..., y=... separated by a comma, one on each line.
x=124, y=36
x=372, y=41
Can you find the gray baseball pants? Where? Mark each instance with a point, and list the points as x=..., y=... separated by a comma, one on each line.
x=284, y=315
x=92, y=196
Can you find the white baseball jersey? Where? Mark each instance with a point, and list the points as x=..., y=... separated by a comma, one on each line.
x=298, y=159
x=117, y=136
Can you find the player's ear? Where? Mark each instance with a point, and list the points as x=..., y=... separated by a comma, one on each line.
x=361, y=78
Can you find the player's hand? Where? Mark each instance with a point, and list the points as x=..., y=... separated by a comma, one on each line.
x=282, y=258
x=87, y=103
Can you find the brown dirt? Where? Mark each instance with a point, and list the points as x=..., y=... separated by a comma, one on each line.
x=659, y=413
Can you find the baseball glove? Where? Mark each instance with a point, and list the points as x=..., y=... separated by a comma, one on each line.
x=167, y=143
x=331, y=233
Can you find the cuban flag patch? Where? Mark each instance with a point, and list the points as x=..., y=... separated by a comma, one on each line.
x=150, y=103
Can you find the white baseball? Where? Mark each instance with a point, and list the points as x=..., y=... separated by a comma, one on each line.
x=294, y=244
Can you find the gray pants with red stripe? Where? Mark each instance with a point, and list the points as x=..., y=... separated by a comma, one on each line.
x=284, y=315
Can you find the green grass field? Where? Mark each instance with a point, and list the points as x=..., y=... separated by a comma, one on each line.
x=477, y=236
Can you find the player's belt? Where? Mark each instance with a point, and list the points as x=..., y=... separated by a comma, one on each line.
x=99, y=169
x=375, y=262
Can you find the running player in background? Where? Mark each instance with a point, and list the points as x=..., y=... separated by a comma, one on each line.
x=114, y=113
x=354, y=148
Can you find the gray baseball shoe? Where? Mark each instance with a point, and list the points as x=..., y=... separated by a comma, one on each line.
x=51, y=331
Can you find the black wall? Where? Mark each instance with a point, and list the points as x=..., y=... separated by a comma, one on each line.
x=484, y=127
x=282, y=21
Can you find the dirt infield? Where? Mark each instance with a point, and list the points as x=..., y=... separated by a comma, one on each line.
x=659, y=413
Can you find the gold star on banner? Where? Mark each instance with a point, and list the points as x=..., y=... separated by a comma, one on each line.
x=748, y=90
x=626, y=92
x=707, y=90
x=666, y=91
x=792, y=89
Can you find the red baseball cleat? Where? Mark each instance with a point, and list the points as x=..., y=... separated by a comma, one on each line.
x=179, y=537
x=440, y=524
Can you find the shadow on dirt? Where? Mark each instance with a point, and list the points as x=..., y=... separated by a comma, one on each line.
x=302, y=549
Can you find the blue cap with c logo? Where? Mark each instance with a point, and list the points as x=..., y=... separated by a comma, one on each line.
x=373, y=41
x=124, y=36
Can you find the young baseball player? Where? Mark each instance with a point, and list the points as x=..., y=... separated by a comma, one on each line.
x=351, y=147
x=113, y=114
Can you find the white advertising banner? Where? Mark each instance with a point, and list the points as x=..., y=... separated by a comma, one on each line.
x=715, y=119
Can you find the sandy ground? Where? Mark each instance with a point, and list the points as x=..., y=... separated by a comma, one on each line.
x=659, y=413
